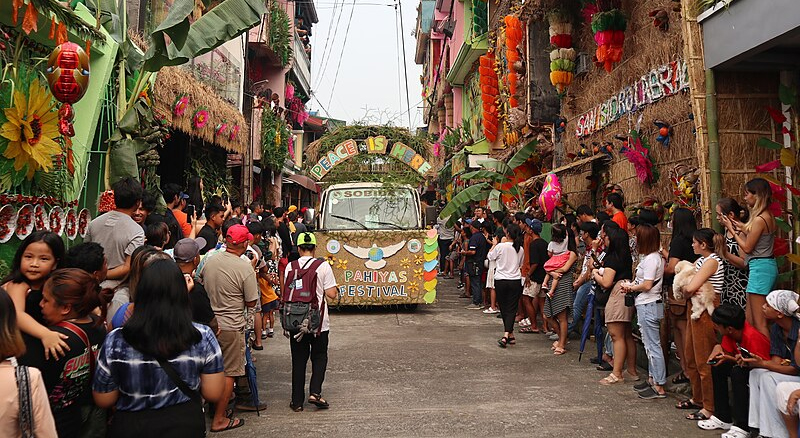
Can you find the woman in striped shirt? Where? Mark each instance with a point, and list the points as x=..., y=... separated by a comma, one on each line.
x=700, y=335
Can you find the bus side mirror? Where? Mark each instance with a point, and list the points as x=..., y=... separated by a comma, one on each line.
x=430, y=215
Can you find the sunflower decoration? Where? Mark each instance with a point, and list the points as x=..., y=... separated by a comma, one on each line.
x=31, y=129
x=405, y=263
x=418, y=273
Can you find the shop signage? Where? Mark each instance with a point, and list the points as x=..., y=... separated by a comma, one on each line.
x=373, y=145
x=661, y=82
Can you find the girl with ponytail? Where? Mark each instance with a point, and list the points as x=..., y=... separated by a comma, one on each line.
x=70, y=297
x=756, y=239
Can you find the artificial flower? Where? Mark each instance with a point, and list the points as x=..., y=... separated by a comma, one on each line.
x=220, y=129
x=234, y=132
x=31, y=129
x=200, y=118
x=180, y=106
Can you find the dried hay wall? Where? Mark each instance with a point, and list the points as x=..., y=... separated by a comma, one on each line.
x=742, y=99
x=645, y=48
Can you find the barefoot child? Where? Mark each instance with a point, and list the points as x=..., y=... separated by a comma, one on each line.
x=559, y=255
x=33, y=262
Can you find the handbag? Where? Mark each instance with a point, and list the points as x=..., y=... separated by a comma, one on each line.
x=601, y=294
x=25, y=415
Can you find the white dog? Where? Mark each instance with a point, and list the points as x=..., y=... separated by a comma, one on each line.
x=703, y=299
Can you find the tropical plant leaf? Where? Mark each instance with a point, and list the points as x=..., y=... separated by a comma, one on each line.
x=482, y=174
x=124, y=163
x=523, y=154
x=462, y=200
x=766, y=143
x=176, y=25
x=494, y=200
x=783, y=225
x=225, y=22
x=497, y=166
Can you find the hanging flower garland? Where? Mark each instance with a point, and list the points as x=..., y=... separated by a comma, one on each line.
x=489, y=93
x=180, y=105
x=200, y=118
x=608, y=25
x=562, y=58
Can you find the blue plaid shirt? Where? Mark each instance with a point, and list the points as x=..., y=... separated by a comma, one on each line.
x=141, y=381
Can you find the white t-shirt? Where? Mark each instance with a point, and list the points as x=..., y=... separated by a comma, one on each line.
x=508, y=261
x=651, y=267
x=325, y=280
x=557, y=248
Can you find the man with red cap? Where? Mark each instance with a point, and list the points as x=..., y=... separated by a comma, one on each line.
x=231, y=285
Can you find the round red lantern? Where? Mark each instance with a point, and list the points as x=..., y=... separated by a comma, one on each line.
x=68, y=72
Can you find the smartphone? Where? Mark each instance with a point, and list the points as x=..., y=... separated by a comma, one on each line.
x=597, y=263
x=713, y=362
x=189, y=212
x=745, y=353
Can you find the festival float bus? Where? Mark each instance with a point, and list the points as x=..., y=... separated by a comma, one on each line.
x=374, y=233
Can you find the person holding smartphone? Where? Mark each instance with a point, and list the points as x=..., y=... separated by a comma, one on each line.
x=740, y=340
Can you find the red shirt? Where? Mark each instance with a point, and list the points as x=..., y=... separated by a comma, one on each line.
x=621, y=220
x=752, y=340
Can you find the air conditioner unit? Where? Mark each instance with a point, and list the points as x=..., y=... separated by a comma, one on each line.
x=582, y=64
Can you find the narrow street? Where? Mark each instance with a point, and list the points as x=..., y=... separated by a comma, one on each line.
x=438, y=372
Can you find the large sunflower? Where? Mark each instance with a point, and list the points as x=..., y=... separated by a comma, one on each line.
x=31, y=127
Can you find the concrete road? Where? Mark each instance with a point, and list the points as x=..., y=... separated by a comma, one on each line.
x=439, y=372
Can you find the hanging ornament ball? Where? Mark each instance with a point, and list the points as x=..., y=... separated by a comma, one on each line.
x=68, y=72
x=664, y=131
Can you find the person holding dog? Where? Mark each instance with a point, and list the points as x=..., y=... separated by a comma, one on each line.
x=700, y=335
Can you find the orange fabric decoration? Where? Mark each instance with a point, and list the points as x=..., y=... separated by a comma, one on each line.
x=15, y=5
x=52, y=28
x=29, y=21
x=61, y=34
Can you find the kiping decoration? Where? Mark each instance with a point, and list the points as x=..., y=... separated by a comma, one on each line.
x=375, y=255
x=374, y=145
x=637, y=151
x=68, y=76
x=685, y=188
x=608, y=25
x=664, y=132
x=513, y=38
x=562, y=57
x=489, y=93
x=550, y=197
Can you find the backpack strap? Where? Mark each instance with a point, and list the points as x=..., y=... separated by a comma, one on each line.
x=321, y=305
x=25, y=415
x=295, y=268
x=81, y=334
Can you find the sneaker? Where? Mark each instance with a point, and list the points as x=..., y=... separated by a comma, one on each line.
x=549, y=333
x=491, y=310
x=712, y=423
x=642, y=386
x=553, y=337
x=736, y=432
x=271, y=334
x=460, y=286
x=524, y=322
x=474, y=307
x=651, y=394
x=263, y=334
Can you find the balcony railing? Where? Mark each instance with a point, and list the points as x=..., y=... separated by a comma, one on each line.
x=301, y=63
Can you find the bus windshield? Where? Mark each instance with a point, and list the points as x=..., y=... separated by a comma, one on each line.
x=377, y=208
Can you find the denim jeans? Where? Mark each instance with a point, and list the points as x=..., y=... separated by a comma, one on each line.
x=476, y=288
x=581, y=299
x=649, y=316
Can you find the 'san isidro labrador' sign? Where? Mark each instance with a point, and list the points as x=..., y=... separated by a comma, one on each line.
x=374, y=145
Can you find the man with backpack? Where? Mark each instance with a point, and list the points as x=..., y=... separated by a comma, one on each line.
x=307, y=282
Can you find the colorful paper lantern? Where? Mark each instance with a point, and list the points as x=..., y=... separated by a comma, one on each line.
x=68, y=72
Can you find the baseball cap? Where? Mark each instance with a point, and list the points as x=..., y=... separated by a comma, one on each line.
x=238, y=234
x=183, y=196
x=292, y=208
x=187, y=249
x=306, y=239
x=535, y=225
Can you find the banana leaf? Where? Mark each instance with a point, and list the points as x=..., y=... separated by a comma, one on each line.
x=462, y=200
x=523, y=154
x=123, y=163
x=496, y=166
x=176, y=25
x=482, y=174
x=494, y=200
x=225, y=22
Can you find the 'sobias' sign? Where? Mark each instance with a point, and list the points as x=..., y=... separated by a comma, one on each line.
x=659, y=83
x=375, y=145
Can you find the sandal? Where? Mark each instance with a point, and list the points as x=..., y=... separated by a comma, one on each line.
x=680, y=378
x=612, y=379
x=502, y=342
x=233, y=423
x=697, y=416
x=528, y=329
x=605, y=366
x=318, y=401
x=512, y=341
x=296, y=408
x=688, y=404
x=559, y=351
